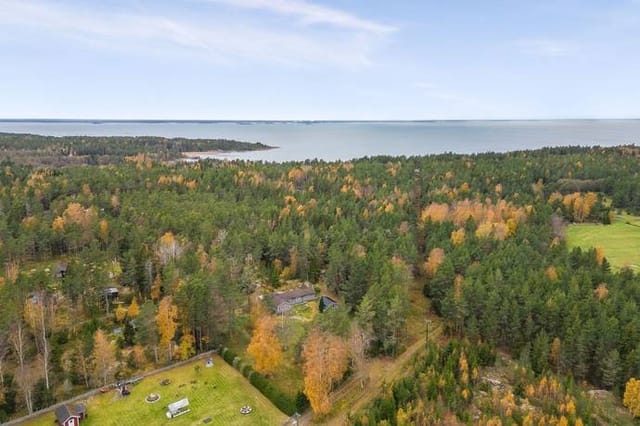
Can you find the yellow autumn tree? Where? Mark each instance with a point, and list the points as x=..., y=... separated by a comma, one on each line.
x=631, y=398
x=187, y=346
x=58, y=224
x=104, y=230
x=166, y=321
x=169, y=247
x=326, y=359
x=435, y=259
x=133, y=309
x=484, y=230
x=121, y=313
x=104, y=357
x=139, y=358
x=265, y=346
x=435, y=212
x=599, y=255
x=457, y=237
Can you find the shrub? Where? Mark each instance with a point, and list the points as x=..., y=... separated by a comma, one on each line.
x=302, y=402
x=228, y=355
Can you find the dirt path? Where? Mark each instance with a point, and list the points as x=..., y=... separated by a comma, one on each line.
x=351, y=397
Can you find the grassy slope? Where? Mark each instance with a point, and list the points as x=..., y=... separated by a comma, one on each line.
x=620, y=240
x=218, y=392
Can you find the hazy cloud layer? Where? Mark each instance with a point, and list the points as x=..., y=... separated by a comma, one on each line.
x=215, y=38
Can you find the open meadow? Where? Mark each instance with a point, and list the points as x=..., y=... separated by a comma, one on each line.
x=217, y=392
x=620, y=240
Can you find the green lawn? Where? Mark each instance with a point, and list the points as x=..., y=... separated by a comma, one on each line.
x=217, y=392
x=620, y=240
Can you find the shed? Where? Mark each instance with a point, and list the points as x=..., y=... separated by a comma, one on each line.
x=66, y=416
x=178, y=408
x=111, y=292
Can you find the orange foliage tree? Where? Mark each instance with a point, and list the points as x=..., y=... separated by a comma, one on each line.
x=133, y=309
x=435, y=259
x=265, y=346
x=326, y=359
x=166, y=320
x=104, y=356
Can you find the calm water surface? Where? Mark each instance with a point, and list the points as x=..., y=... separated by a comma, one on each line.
x=347, y=140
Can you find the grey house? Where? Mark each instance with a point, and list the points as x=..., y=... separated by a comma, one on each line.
x=283, y=302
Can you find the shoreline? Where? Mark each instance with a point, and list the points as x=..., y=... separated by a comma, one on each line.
x=200, y=154
x=203, y=155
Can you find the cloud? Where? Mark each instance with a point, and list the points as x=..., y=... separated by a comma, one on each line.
x=229, y=40
x=309, y=13
x=546, y=47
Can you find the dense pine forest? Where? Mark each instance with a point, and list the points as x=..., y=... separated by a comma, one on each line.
x=194, y=250
x=53, y=151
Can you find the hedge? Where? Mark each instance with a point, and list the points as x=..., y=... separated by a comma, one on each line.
x=281, y=400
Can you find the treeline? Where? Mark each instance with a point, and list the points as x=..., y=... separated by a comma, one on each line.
x=190, y=244
x=92, y=150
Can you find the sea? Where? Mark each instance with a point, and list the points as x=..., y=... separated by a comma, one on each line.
x=346, y=140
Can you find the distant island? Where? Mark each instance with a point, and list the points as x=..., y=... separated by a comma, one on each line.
x=56, y=151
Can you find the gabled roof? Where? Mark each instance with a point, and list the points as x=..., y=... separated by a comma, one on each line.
x=174, y=406
x=63, y=413
x=279, y=298
x=329, y=301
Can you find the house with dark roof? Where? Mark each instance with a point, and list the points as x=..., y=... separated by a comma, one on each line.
x=283, y=302
x=66, y=416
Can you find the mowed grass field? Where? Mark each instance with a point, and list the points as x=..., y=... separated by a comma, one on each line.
x=217, y=392
x=620, y=240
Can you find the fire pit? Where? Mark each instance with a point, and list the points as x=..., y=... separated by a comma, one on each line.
x=152, y=397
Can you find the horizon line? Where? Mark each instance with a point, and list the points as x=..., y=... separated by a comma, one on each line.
x=195, y=120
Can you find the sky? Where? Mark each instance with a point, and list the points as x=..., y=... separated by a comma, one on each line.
x=319, y=59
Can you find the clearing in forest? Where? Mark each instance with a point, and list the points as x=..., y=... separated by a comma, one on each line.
x=217, y=393
x=620, y=240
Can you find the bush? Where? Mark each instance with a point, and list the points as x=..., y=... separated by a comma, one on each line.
x=302, y=402
x=228, y=355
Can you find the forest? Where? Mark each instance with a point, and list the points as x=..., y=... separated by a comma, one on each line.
x=192, y=248
x=56, y=151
